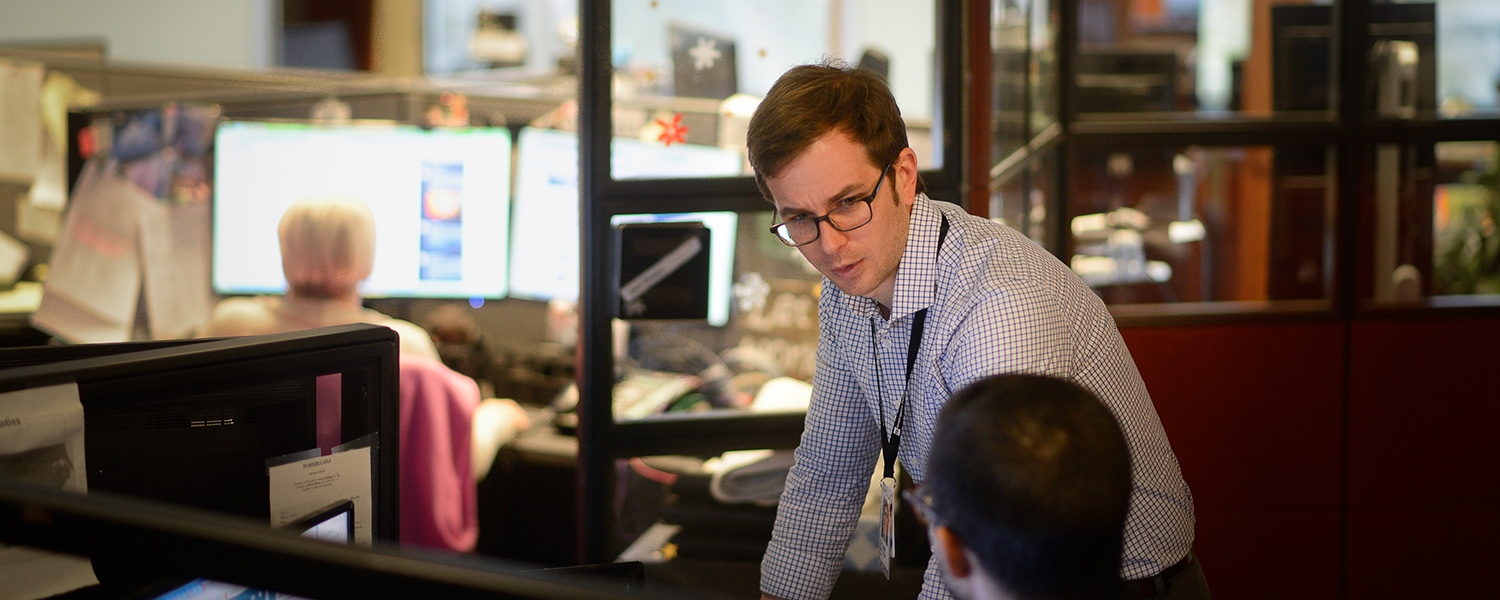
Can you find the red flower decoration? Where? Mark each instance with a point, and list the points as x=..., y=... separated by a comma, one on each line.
x=672, y=131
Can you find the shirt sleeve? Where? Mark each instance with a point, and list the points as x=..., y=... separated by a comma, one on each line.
x=826, y=486
x=1017, y=329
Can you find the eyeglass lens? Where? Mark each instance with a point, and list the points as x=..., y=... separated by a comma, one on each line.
x=844, y=218
x=848, y=216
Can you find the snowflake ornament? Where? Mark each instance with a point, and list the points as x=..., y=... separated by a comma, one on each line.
x=751, y=292
x=705, y=54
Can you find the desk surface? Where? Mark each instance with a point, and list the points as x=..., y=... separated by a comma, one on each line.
x=542, y=443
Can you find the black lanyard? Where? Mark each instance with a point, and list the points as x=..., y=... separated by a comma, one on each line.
x=890, y=443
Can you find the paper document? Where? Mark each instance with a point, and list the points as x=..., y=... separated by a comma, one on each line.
x=20, y=120
x=41, y=442
x=50, y=188
x=38, y=224
x=305, y=485
x=67, y=321
x=96, y=266
x=175, y=253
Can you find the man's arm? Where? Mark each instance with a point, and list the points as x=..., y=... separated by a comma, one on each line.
x=825, y=488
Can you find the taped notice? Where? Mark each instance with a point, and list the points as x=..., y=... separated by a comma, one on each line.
x=305, y=485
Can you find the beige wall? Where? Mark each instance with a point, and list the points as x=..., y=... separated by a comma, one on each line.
x=396, y=42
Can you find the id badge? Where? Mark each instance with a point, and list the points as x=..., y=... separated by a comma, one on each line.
x=887, y=524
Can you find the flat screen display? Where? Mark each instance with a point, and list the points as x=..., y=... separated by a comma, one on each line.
x=441, y=200
x=544, y=235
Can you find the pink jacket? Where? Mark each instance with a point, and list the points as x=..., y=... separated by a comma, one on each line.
x=438, y=505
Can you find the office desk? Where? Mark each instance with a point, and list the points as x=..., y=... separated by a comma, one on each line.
x=528, y=503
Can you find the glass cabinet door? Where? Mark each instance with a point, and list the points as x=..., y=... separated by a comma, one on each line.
x=1202, y=223
x=1443, y=54
x=1202, y=58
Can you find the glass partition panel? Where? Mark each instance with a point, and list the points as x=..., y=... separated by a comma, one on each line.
x=692, y=72
x=1203, y=57
x=1009, y=72
x=1434, y=209
x=762, y=327
x=1042, y=67
x=1041, y=196
x=1444, y=54
x=1202, y=223
x=1009, y=200
x=505, y=38
x=1022, y=199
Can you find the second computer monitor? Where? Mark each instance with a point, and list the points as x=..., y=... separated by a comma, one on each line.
x=545, y=224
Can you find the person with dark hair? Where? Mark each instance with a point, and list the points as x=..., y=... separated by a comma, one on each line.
x=919, y=299
x=1027, y=495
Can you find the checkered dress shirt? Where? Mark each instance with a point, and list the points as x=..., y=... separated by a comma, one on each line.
x=1001, y=304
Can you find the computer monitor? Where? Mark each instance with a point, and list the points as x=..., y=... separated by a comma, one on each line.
x=722, y=227
x=545, y=222
x=335, y=523
x=441, y=199
x=193, y=422
x=158, y=540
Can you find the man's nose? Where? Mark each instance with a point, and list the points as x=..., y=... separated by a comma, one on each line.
x=829, y=237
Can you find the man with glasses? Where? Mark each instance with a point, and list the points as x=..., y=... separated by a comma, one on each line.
x=920, y=299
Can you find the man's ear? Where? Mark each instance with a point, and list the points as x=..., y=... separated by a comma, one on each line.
x=906, y=166
x=953, y=551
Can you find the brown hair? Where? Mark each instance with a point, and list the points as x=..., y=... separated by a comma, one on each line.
x=810, y=100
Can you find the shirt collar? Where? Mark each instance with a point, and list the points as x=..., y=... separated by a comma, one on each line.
x=916, y=277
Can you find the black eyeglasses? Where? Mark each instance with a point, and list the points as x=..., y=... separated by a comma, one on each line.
x=849, y=215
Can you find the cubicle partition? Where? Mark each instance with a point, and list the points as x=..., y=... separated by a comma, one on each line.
x=171, y=545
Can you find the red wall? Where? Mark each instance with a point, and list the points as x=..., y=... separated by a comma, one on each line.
x=1256, y=414
x=1424, y=458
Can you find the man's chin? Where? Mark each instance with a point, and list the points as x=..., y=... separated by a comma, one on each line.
x=850, y=287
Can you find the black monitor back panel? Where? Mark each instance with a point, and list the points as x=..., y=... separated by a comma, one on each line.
x=192, y=422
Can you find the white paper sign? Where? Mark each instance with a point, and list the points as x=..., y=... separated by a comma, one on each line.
x=41, y=442
x=300, y=487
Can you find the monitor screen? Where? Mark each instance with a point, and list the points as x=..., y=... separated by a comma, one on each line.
x=333, y=523
x=441, y=200
x=544, y=235
x=722, y=227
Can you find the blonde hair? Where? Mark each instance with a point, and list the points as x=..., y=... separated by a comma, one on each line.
x=327, y=246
